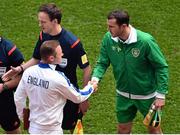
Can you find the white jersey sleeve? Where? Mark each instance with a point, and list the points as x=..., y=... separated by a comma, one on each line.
x=20, y=97
x=70, y=92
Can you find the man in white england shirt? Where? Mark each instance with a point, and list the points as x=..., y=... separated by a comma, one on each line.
x=48, y=90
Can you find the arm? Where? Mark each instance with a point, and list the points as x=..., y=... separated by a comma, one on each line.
x=102, y=64
x=86, y=77
x=10, y=84
x=83, y=63
x=20, y=97
x=30, y=63
x=77, y=96
x=66, y=89
x=160, y=65
x=14, y=71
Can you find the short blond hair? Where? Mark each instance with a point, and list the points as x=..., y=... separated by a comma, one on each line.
x=48, y=48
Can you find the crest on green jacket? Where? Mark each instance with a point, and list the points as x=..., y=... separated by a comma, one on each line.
x=135, y=52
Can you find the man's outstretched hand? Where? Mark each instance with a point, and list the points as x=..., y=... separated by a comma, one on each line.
x=12, y=73
x=94, y=84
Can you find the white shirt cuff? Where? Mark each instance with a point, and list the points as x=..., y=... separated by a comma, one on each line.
x=95, y=79
x=159, y=95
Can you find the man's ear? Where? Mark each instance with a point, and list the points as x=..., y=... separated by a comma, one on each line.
x=55, y=21
x=51, y=58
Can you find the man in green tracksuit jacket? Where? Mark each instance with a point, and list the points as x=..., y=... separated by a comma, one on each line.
x=139, y=68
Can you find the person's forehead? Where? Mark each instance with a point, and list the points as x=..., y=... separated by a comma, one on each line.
x=43, y=16
x=111, y=21
x=59, y=48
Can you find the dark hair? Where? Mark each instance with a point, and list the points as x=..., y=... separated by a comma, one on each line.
x=52, y=10
x=121, y=16
x=48, y=48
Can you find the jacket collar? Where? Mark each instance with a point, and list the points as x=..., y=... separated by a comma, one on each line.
x=131, y=39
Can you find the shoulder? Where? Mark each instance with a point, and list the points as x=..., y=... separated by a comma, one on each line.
x=70, y=38
x=143, y=36
x=108, y=40
x=62, y=79
x=6, y=42
x=107, y=35
x=8, y=46
x=146, y=40
x=31, y=69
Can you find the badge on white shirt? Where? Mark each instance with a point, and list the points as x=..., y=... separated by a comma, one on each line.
x=63, y=63
x=2, y=70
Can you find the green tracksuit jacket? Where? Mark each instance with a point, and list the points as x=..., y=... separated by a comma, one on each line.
x=139, y=68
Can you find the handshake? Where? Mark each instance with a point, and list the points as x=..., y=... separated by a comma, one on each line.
x=94, y=83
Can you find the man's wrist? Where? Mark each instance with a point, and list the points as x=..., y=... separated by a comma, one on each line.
x=95, y=79
x=22, y=69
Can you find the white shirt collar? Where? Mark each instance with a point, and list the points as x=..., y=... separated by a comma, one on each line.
x=131, y=39
x=52, y=66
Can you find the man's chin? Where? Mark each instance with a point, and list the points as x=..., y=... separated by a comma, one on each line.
x=44, y=31
x=113, y=35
